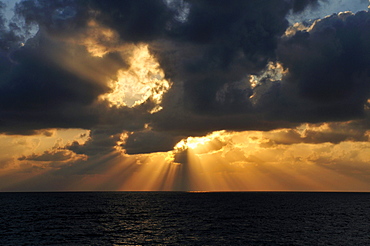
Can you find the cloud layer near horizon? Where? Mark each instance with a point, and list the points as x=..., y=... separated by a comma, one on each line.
x=232, y=65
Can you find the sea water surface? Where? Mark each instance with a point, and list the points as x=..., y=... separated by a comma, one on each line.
x=181, y=218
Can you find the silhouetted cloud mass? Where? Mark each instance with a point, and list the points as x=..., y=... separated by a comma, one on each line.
x=233, y=65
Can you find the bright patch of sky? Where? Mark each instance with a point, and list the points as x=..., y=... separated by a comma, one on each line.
x=9, y=8
x=329, y=7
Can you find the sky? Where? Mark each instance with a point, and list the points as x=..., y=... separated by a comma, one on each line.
x=185, y=95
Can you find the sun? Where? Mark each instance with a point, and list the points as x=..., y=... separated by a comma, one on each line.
x=191, y=143
x=197, y=142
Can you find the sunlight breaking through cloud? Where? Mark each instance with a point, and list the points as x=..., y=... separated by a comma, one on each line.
x=185, y=95
x=142, y=81
x=196, y=142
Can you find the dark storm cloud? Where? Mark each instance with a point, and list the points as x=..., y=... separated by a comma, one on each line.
x=101, y=141
x=327, y=79
x=53, y=81
x=220, y=43
x=111, y=130
x=328, y=69
x=150, y=141
x=207, y=49
x=48, y=83
x=209, y=57
x=60, y=18
x=136, y=21
x=327, y=76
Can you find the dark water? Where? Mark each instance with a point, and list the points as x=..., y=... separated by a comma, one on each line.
x=175, y=218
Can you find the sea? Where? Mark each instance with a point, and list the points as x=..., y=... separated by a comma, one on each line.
x=185, y=218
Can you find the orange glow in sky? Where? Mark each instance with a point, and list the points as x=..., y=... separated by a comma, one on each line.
x=91, y=92
x=220, y=161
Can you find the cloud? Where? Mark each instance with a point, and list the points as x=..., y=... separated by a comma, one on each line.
x=49, y=156
x=49, y=83
x=59, y=18
x=99, y=143
x=9, y=36
x=219, y=45
x=346, y=158
x=135, y=21
x=333, y=132
x=149, y=141
x=299, y=6
x=328, y=69
x=229, y=64
x=325, y=79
